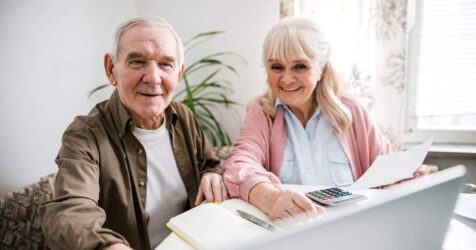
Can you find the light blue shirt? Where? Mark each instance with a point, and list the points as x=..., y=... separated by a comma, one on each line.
x=313, y=155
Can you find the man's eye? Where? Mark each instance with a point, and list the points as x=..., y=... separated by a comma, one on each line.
x=276, y=67
x=166, y=65
x=137, y=63
x=300, y=67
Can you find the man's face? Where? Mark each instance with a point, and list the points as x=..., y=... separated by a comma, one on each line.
x=145, y=70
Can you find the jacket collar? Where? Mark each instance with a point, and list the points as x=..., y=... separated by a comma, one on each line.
x=122, y=118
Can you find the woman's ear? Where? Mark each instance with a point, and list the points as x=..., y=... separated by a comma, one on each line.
x=108, y=67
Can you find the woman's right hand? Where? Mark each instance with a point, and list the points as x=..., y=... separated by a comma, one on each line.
x=284, y=205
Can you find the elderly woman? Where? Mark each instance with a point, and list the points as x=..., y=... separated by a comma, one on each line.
x=303, y=130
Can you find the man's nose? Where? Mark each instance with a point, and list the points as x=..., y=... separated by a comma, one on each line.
x=152, y=74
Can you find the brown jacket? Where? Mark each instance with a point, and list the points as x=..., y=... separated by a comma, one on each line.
x=101, y=182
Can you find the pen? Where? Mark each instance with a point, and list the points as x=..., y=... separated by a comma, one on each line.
x=256, y=220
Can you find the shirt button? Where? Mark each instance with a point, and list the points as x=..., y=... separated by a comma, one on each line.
x=147, y=217
x=139, y=151
x=120, y=135
x=141, y=183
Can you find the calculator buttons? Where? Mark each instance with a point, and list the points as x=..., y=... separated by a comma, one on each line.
x=334, y=196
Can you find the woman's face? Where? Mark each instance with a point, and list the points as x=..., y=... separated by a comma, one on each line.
x=293, y=82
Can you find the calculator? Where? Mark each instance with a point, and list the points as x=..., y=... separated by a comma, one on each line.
x=334, y=196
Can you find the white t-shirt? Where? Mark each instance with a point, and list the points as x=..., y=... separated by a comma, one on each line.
x=166, y=194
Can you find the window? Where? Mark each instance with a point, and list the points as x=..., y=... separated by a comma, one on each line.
x=441, y=68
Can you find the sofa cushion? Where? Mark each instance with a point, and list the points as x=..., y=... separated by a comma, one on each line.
x=20, y=225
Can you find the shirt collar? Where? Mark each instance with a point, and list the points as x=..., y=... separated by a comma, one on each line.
x=278, y=103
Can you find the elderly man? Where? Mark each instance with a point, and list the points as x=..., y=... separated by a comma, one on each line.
x=135, y=160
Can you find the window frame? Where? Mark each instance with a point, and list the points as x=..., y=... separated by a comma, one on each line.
x=411, y=133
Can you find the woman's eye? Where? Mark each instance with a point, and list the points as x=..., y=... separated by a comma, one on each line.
x=300, y=67
x=276, y=67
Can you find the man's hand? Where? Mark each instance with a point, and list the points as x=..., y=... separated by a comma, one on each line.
x=118, y=246
x=211, y=188
x=284, y=204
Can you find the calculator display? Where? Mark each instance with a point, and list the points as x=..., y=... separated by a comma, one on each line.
x=334, y=196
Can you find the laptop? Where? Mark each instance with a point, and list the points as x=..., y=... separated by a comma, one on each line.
x=411, y=215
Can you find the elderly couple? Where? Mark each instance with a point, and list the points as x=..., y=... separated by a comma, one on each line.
x=139, y=159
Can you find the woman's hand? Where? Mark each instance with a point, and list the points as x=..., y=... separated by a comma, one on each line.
x=422, y=171
x=283, y=204
x=211, y=188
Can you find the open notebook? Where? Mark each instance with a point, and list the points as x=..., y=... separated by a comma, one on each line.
x=212, y=226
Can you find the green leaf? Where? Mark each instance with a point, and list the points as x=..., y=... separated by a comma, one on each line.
x=200, y=36
x=217, y=129
x=199, y=39
x=97, y=89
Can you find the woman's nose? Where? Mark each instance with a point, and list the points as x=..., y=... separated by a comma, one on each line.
x=286, y=77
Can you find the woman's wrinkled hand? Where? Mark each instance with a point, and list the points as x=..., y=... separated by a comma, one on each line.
x=284, y=206
x=212, y=188
x=422, y=171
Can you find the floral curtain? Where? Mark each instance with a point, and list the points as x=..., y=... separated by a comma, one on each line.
x=368, y=42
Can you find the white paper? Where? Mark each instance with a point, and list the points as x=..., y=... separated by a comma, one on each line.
x=466, y=206
x=388, y=169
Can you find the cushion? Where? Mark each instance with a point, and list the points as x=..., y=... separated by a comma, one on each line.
x=20, y=225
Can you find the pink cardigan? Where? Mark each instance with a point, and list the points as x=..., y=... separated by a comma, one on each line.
x=258, y=152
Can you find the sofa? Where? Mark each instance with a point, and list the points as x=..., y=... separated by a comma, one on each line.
x=20, y=225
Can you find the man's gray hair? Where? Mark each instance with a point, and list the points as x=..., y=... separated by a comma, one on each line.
x=151, y=21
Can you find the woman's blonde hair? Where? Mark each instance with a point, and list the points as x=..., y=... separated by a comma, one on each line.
x=299, y=38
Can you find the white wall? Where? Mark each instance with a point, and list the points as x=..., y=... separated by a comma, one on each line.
x=52, y=57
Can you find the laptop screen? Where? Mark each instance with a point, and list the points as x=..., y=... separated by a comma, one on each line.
x=411, y=215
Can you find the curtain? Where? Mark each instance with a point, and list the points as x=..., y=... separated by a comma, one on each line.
x=368, y=47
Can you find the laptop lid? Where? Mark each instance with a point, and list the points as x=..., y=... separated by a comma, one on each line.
x=412, y=215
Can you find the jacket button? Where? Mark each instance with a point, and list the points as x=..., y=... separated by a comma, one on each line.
x=141, y=183
x=139, y=151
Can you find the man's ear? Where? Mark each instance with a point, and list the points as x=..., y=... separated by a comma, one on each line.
x=181, y=71
x=108, y=66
